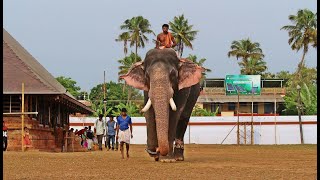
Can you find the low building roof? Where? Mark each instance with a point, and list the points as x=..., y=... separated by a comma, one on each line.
x=19, y=66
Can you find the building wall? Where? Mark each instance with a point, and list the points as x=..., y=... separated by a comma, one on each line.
x=41, y=137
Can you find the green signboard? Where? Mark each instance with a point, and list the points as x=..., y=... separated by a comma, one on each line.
x=244, y=84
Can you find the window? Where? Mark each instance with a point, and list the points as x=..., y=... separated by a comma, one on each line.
x=268, y=108
x=232, y=106
x=214, y=107
x=255, y=107
x=11, y=103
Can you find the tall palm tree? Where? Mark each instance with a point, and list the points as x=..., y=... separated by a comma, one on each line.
x=253, y=66
x=125, y=37
x=201, y=61
x=245, y=49
x=182, y=32
x=302, y=33
x=125, y=65
x=137, y=28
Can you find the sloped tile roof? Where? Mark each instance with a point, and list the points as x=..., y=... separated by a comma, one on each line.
x=19, y=67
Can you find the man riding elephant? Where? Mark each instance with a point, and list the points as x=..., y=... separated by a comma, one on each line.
x=165, y=39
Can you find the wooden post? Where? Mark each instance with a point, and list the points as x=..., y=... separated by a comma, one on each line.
x=299, y=114
x=275, y=116
x=72, y=141
x=238, y=128
x=22, y=118
x=245, y=133
x=251, y=114
x=104, y=94
x=66, y=142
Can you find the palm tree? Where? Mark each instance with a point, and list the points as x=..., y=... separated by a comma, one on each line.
x=245, y=49
x=253, y=66
x=193, y=58
x=127, y=62
x=125, y=37
x=182, y=32
x=302, y=33
x=137, y=28
x=125, y=65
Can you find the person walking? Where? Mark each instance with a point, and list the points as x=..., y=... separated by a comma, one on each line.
x=123, y=132
x=111, y=126
x=99, y=128
x=89, y=137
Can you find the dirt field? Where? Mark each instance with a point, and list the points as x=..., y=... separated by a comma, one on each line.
x=201, y=162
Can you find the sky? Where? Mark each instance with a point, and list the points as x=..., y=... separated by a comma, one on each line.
x=76, y=38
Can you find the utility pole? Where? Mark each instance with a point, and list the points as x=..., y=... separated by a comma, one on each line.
x=299, y=113
x=275, y=116
x=104, y=94
x=252, y=113
x=22, y=118
x=238, y=128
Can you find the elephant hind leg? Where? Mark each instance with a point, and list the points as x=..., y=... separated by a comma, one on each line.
x=178, y=150
x=183, y=122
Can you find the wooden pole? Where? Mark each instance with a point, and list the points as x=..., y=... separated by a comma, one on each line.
x=66, y=142
x=299, y=114
x=22, y=118
x=245, y=133
x=238, y=128
x=275, y=116
x=104, y=93
x=252, y=114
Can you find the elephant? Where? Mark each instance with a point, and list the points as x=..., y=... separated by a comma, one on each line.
x=171, y=88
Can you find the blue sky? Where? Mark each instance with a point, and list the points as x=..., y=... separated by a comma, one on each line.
x=76, y=38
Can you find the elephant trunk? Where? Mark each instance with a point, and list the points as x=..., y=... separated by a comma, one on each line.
x=160, y=95
x=161, y=108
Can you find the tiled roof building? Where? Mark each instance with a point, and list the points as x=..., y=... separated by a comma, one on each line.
x=43, y=94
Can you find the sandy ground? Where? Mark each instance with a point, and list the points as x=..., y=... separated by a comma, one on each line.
x=201, y=162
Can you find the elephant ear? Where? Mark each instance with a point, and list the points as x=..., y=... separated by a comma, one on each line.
x=135, y=77
x=189, y=73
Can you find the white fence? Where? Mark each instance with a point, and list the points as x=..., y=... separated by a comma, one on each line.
x=213, y=130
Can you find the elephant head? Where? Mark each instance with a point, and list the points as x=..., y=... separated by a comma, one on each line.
x=162, y=74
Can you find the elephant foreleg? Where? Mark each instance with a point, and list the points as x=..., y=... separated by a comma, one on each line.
x=152, y=141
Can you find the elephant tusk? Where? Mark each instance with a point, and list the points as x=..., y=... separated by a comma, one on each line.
x=147, y=106
x=173, y=105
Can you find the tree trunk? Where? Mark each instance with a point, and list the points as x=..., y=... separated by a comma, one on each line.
x=129, y=94
x=136, y=52
x=301, y=64
x=181, y=50
x=297, y=79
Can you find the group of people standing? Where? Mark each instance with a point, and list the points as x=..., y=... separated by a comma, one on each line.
x=114, y=132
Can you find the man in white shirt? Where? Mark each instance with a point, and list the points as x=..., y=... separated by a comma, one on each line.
x=99, y=128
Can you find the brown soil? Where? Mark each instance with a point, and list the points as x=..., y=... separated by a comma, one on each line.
x=201, y=162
